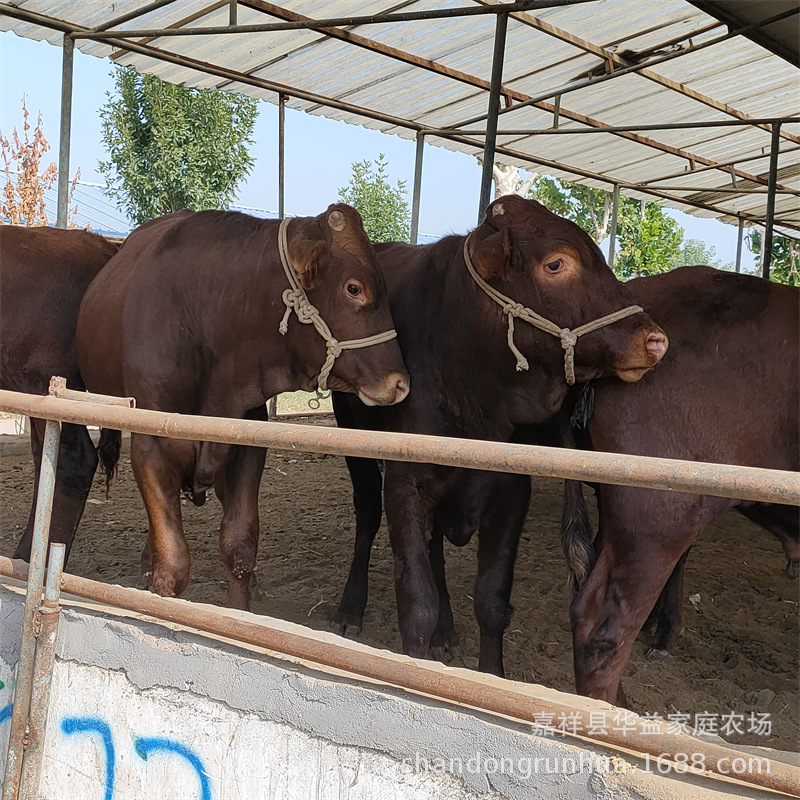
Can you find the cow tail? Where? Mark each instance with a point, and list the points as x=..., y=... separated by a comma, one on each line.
x=576, y=535
x=108, y=449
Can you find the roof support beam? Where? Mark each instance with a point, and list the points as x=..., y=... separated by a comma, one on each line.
x=490, y=138
x=510, y=94
x=65, y=134
x=766, y=244
x=613, y=58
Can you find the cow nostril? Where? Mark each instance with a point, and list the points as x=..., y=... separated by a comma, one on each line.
x=657, y=344
x=401, y=390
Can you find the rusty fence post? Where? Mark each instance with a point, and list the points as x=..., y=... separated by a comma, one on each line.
x=49, y=615
x=23, y=688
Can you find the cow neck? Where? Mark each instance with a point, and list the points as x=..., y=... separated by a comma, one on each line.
x=568, y=337
x=296, y=300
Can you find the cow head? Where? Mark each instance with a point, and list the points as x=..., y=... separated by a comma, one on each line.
x=550, y=265
x=336, y=267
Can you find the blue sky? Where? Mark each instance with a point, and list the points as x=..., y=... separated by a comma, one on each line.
x=319, y=152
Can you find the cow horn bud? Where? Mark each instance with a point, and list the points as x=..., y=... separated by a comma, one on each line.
x=336, y=220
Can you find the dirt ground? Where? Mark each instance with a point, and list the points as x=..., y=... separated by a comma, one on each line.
x=739, y=653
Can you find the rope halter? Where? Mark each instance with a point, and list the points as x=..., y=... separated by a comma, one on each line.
x=569, y=338
x=296, y=300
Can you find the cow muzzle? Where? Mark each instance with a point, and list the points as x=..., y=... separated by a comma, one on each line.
x=392, y=389
x=649, y=348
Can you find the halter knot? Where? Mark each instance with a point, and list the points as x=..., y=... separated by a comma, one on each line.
x=296, y=300
x=569, y=338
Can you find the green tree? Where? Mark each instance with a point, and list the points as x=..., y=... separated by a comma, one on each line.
x=171, y=147
x=649, y=240
x=693, y=251
x=383, y=207
x=785, y=257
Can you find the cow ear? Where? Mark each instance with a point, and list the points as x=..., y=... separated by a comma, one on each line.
x=491, y=255
x=306, y=256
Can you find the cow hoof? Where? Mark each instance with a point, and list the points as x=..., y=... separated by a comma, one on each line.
x=446, y=653
x=349, y=630
x=346, y=625
x=792, y=569
x=654, y=654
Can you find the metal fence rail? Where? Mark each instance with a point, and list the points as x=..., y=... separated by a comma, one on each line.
x=23, y=764
x=721, y=480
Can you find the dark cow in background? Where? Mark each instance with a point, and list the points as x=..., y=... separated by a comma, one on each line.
x=455, y=340
x=189, y=317
x=727, y=393
x=43, y=275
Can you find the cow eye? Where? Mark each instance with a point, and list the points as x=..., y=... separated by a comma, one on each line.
x=355, y=291
x=554, y=266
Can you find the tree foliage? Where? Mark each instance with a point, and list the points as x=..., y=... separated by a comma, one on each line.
x=171, y=147
x=649, y=240
x=22, y=201
x=693, y=251
x=383, y=207
x=785, y=257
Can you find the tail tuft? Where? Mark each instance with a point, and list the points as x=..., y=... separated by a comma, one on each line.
x=108, y=449
x=576, y=535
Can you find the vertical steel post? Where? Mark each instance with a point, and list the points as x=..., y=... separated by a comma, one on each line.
x=612, y=235
x=66, y=132
x=233, y=13
x=416, y=192
x=739, y=245
x=49, y=617
x=281, y=152
x=501, y=26
x=766, y=244
x=33, y=597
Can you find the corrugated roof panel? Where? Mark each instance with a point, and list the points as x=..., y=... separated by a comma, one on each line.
x=738, y=74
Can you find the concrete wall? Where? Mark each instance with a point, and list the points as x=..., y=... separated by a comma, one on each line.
x=140, y=709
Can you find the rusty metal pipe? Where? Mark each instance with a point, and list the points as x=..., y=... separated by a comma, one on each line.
x=25, y=676
x=414, y=675
x=721, y=480
x=48, y=616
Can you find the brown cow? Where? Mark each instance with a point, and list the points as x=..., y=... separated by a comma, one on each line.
x=189, y=317
x=727, y=393
x=456, y=342
x=43, y=275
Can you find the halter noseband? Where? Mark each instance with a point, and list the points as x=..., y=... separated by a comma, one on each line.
x=296, y=300
x=569, y=338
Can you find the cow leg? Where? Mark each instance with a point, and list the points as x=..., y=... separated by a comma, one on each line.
x=410, y=520
x=499, y=534
x=367, y=501
x=781, y=521
x=444, y=640
x=77, y=462
x=158, y=477
x=668, y=614
x=237, y=486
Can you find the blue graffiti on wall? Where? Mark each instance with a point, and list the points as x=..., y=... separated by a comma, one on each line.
x=73, y=725
x=144, y=748
x=5, y=713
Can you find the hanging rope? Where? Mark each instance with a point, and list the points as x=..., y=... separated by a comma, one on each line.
x=569, y=338
x=296, y=300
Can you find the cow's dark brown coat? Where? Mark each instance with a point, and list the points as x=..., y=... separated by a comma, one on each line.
x=186, y=318
x=727, y=392
x=454, y=340
x=43, y=275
